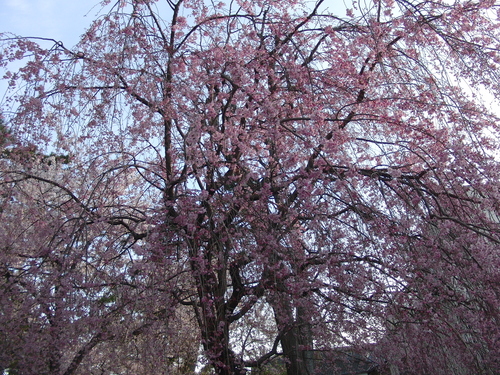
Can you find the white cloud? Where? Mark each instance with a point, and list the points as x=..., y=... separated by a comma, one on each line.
x=17, y=5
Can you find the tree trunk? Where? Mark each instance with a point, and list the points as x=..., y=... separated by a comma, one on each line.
x=213, y=320
x=297, y=337
x=216, y=345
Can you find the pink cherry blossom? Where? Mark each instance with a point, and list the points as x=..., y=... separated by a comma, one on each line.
x=258, y=179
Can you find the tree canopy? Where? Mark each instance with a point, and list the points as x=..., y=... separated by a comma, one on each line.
x=261, y=179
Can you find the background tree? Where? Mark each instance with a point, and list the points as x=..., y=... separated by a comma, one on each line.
x=336, y=172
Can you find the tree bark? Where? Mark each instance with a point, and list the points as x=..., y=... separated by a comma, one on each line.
x=297, y=337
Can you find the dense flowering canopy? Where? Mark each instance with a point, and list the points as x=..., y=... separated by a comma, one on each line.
x=279, y=176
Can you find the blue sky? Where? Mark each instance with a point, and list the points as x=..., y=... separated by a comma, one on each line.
x=63, y=20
